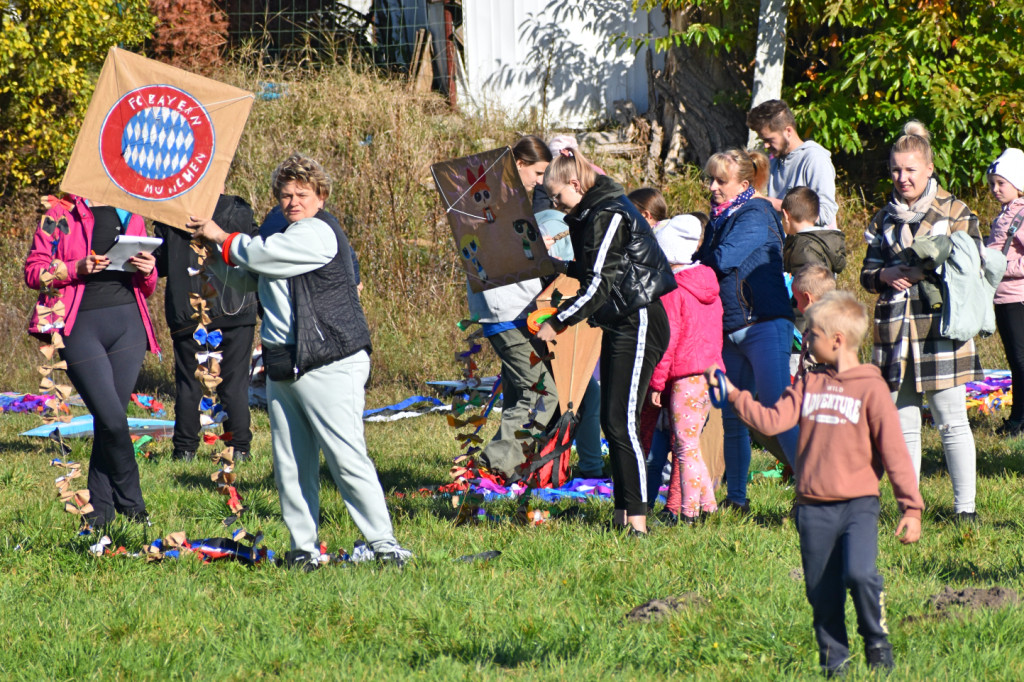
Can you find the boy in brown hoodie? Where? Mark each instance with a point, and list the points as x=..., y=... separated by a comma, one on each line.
x=849, y=432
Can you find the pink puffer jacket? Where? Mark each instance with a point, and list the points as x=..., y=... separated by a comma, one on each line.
x=1011, y=289
x=695, y=318
x=70, y=248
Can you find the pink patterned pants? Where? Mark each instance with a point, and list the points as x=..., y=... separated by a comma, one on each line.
x=690, y=489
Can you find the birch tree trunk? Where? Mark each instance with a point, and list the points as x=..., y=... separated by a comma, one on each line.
x=771, y=51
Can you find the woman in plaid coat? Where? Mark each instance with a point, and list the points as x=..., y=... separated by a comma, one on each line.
x=916, y=361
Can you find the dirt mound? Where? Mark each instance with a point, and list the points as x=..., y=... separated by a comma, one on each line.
x=974, y=598
x=968, y=599
x=657, y=609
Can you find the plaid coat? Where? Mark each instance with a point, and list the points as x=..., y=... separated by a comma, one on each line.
x=905, y=329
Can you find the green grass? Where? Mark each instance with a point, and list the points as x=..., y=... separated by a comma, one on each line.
x=551, y=607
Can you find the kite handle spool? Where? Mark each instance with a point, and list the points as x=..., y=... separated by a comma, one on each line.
x=719, y=394
x=538, y=317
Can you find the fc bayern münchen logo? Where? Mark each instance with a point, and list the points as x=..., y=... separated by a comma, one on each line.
x=157, y=142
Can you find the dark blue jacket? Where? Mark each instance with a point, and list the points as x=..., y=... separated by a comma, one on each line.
x=746, y=254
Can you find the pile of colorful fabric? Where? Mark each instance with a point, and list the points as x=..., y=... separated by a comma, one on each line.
x=22, y=402
x=994, y=393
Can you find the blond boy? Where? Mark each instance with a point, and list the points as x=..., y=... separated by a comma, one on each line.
x=849, y=432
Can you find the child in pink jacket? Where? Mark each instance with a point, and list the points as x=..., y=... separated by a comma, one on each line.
x=1006, y=182
x=695, y=319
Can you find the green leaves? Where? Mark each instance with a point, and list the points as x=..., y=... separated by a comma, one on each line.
x=50, y=52
x=931, y=61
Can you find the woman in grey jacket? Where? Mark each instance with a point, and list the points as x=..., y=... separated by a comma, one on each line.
x=316, y=349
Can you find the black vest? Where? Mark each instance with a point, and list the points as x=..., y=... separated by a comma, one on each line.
x=329, y=320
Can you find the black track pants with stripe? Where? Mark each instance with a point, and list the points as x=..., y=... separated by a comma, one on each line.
x=629, y=352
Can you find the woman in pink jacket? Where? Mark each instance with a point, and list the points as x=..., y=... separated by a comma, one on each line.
x=695, y=319
x=106, y=330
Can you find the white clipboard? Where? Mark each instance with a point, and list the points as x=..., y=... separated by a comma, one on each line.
x=125, y=247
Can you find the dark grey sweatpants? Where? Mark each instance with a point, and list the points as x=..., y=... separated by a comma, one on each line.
x=839, y=548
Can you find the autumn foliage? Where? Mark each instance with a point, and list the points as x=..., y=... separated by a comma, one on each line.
x=190, y=34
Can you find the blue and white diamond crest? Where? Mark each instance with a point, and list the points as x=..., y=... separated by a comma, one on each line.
x=157, y=143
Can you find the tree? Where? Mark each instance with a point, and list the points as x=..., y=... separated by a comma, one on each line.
x=703, y=93
x=855, y=71
x=50, y=53
x=956, y=66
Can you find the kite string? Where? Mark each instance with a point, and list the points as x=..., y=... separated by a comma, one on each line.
x=247, y=95
x=451, y=206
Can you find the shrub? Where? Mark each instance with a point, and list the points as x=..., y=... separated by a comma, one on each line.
x=50, y=51
x=190, y=34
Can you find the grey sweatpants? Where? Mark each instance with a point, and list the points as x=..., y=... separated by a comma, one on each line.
x=323, y=410
x=504, y=453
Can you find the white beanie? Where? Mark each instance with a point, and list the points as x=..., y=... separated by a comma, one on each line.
x=1010, y=165
x=679, y=238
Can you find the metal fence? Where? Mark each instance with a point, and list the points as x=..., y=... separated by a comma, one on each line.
x=419, y=38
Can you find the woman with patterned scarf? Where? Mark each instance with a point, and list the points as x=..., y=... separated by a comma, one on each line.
x=743, y=245
x=916, y=361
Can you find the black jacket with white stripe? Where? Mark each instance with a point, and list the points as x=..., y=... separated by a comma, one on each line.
x=619, y=264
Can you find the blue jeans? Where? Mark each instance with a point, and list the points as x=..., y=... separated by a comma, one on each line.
x=588, y=433
x=657, y=461
x=756, y=360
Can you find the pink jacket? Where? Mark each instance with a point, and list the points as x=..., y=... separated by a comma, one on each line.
x=695, y=319
x=1011, y=289
x=70, y=248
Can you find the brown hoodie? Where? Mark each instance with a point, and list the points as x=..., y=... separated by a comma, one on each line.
x=849, y=433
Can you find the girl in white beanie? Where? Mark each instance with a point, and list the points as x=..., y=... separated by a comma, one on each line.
x=1006, y=182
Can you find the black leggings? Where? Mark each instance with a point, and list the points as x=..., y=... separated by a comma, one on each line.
x=1010, y=323
x=104, y=352
x=233, y=391
x=629, y=353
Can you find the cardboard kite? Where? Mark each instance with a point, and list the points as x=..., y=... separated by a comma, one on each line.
x=156, y=140
x=492, y=221
x=578, y=350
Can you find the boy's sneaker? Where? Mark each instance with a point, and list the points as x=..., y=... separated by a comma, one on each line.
x=241, y=455
x=835, y=673
x=183, y=455
x=879, y=656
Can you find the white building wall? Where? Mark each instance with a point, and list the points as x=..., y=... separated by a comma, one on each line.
x=518, y=49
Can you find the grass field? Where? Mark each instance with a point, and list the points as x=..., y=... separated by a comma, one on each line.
x=552, y=606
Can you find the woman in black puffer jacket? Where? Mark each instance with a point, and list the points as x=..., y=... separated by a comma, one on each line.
x=622, y=273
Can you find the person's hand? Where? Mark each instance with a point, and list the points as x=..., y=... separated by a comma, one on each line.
x=92, y=263
x=548, y=242
x=910, y=529
x=655, y=398
x=709, y=376
x=206, y=229
x=546, y=332
x=901, y=277
x=143, y=262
